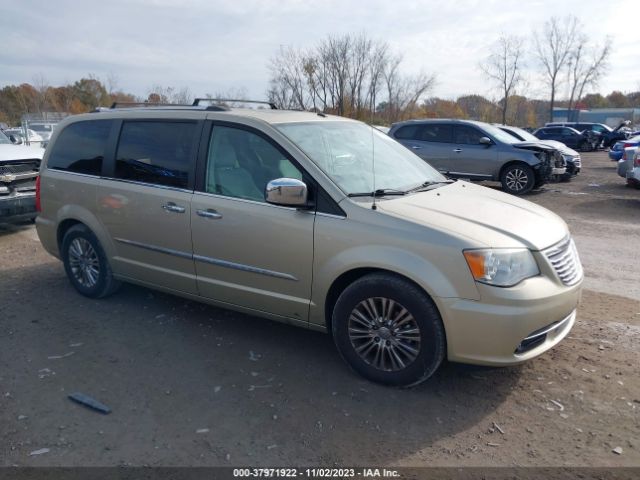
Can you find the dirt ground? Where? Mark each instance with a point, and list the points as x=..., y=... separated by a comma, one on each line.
x=190, y=384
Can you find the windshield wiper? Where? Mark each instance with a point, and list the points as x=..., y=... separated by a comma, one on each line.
x=381, y=192
x=428, y=184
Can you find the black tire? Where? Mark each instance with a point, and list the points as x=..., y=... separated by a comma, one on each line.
x=518, y=179
x=566, y=177
x=86, y=263
x=420, y=331
x=584, y=146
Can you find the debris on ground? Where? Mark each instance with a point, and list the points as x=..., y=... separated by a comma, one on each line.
x=46, y=450
x=202, y=430
x=254, y=357
x=558, y=404
x=617, y=450
x=58, y=357
x=22, y=417
x=90, y=402
x=497, y=427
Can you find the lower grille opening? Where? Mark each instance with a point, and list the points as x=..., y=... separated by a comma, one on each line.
x=530, y=343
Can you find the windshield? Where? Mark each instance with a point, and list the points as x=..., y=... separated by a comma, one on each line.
x=4, y=138
x=523, y=134
x=500, y=135
x=345, y=151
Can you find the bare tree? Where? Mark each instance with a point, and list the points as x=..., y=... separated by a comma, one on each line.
x=586, y=67
x=160, y=94
x=553, y=47
x=503, y=67
x=41, y=85
x=345, y=75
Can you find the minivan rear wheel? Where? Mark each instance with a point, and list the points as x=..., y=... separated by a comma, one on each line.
x=388, y=330
x=86, y=264
x=518, y=179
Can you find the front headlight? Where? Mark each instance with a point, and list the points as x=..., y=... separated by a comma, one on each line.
x=501, y=267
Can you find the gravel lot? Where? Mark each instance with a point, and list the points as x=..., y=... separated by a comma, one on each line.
x=190, y=384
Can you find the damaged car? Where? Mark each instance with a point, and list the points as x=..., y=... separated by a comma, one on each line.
x=19, y=169
x=479, y=151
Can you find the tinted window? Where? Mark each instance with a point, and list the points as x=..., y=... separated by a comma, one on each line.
x=567, y=132
x=408, y=132
x=436, y=133
x=80, y=147
x=241, y=163
x=156, y=152
x=467, y=135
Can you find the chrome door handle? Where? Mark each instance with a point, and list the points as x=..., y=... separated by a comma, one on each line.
x=172, y=207
x=415, y=147
x=457, y=150
x=209, y=213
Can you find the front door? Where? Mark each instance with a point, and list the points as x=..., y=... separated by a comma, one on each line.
x=248, y=252
x=469, y=157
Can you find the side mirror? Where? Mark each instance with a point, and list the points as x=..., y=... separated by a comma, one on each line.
x=15, y=140
x=288, y=192
x=485, y=141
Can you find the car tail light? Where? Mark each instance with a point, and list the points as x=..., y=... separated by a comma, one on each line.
x=38, y=206
x=636, y=159
x=627, y=145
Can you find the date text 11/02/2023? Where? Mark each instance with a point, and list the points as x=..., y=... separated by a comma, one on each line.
x=315, y=473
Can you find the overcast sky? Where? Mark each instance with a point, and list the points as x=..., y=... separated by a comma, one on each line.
x=213, y=46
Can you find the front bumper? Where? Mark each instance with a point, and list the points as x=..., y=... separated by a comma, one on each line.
x=508, y=326
x=18, y=207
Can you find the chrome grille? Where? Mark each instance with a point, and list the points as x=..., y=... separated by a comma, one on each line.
x=565, y=261
x=18, y=168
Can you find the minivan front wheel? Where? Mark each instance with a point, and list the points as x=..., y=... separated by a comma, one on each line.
x=518, y=179
x=388, y=330
x=86, y=264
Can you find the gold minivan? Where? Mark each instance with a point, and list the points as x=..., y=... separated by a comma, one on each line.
x=310, y=219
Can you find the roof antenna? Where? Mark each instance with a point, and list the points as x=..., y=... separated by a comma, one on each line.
x=373, y=166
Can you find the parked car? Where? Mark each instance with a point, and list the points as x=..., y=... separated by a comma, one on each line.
x=480, y=151
x=19, y=166
x=571, y=157
x=601, y=133
x=314, y=220
x=44, y=129
x=20, y=136
x=571, y=137
x=625, y=164
x=633, y=173
x=616, y=152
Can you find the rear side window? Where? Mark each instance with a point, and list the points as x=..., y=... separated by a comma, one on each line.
x=436, y=133
x=80, y=147
x=159, y=153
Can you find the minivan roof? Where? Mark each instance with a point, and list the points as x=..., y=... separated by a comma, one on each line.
x=174, y=111
x=440, y=120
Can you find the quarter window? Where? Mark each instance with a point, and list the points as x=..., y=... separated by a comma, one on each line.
x=241, y=163
x=80, y=147
x=156, y=152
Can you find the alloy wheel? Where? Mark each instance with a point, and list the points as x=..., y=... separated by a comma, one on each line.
x=84, y=262
x=517, y=179
x=384, y=334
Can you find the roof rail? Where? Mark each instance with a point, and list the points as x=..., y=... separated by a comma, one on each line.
x=197, y=101
x=145, y=104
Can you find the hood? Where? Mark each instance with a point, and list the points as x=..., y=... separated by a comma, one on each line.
x=488, y=217
x=20, y=152
x=561, y=147
x=536, y=146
